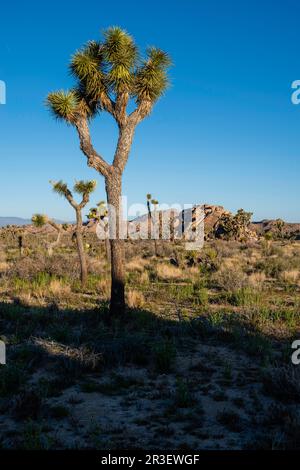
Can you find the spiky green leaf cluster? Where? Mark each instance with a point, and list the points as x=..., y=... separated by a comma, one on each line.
x=61, y=188
x=87, y=67
x=121, y=56
x=39, y=220
x=151, y=78
x=105, y=69
x=85, y=187
x=63, y=104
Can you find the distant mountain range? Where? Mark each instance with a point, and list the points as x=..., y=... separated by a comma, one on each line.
x=4, y=221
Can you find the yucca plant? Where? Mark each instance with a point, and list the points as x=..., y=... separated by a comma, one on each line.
x=109, y=74
x=40, y=220
x=84, y=188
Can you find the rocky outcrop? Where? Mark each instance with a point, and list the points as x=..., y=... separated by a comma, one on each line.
x=288, y=230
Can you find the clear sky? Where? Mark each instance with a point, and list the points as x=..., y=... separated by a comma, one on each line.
x=225, y=133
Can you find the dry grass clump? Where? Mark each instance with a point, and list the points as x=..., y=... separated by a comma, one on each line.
x=97, y=266
x=167, y=272
x=291, y=276
x=256, y=280
x=104, y=288
x=137, y=264
x=25, y=298
x=58, y=288
x=4, y=266
x=82, y=356
x=144, y=278
x=231, y=262
x=135, y=299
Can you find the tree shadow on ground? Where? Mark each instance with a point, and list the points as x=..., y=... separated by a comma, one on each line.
x=50, y=350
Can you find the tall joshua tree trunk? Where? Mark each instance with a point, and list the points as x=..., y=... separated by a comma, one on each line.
x=114, y=190
x=109, y=74
x=80, y=247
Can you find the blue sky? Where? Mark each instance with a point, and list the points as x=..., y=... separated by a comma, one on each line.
x=225, y=133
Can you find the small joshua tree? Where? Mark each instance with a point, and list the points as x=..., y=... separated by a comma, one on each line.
x=84, y=188
x=109, y=74
x=152, y=220
x=280, y=224
x=100, y=214
x=39, y=220
x=234, y=226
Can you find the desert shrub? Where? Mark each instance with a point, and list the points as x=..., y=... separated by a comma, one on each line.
x=245, y=297
x=282, y=383
x=209, y=260
x=131, y=347
x=62, y=266
x=27, y=405
x=273, y=266
x=164, y=354
x=11, y=379
x=183, y=397
x=202, y=296
x=229, y=279
x=27, y=268
x=34, y=438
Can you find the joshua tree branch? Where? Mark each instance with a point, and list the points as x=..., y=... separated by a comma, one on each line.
x=143, y=110
x=54, y=225
x=121, y=107
x=68, y=195
x=123, y=146
x=85, y=201
x=108, y=104
x=94, y=159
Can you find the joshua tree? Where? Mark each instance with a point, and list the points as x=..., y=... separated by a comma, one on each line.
x=39, y=220
x=152, y=223
x=109, y=74
x=280, y=224
x=100, y=214
x=85, y=188
x=236, y=226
